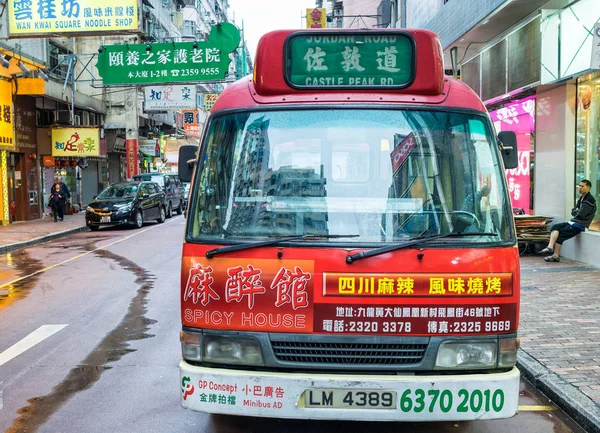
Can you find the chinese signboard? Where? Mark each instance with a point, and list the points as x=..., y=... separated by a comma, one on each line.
x=159, y=98
x=7, y=140
x=358, y=60
x=316, y=18
x=131, y=150
x=170, y=62
x=596, y=47
x=191, y=122
x=150, y=148
x=402, y=150
x=78, y=141
x=209, y=101
x=51, y=17
x=519, y=116
x=287, y=296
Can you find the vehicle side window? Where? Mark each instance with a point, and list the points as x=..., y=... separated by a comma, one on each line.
x=152, y=188
x=144, y=189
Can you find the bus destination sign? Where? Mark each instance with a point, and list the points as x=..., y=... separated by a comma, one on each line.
x=357, y=60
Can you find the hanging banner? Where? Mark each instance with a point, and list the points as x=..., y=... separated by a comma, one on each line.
x=199, y=61
x=191, y=122
x=596, y=47
x=132, y=157
x=160, y=98
x=78, y=141
x=316, y=18
x=149, y=148
x=75, y=17
x=7, y=139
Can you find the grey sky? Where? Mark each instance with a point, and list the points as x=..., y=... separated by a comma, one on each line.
x=262, y=16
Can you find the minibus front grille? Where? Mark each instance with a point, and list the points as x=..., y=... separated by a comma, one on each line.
x=348, y=353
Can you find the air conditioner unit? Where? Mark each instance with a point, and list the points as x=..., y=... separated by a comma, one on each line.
x=62, y=117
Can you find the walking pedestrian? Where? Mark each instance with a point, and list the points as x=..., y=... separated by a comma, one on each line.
x=57, y=201
x=64, y=190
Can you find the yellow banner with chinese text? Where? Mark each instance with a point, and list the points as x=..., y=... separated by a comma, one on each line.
x=76, y=142
x=7, y=139
x=316, y=18
x=376, y=285
x=27, y=18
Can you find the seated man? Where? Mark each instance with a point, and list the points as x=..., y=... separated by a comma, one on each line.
x=583, y=214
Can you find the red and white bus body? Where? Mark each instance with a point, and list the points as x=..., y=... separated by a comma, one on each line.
x=284, y=312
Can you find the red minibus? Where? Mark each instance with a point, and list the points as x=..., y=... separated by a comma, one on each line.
x=350, y=251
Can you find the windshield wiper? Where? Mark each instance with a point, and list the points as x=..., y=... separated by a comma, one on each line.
x=239, y=247
x=413, y=241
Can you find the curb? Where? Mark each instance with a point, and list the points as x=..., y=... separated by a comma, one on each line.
x=566, y=396
x=11, y=247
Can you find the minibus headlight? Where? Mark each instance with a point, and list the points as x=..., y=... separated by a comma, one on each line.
x=466, y=356
x=191, y=346
x=232, y=350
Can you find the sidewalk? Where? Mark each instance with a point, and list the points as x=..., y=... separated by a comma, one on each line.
x=560, y=334
x=25, y=233
x=559, y=321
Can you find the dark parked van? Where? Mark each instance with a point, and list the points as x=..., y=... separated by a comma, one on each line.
x=172, y=186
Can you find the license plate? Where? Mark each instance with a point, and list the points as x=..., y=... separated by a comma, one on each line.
x=105, y=219
x=325, y=398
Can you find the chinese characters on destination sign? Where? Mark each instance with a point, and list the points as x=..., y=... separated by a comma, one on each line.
x=31, y=17
x=280, y=296
x=374, y=60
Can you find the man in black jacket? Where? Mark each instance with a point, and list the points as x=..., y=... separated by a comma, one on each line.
x=583, y=214
x=64, y=192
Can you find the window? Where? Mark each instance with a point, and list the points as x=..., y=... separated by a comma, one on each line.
x=371, y=175
x=587, y=160
x=57, y=59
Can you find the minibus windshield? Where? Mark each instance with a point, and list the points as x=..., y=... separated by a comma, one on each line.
x=384, y=175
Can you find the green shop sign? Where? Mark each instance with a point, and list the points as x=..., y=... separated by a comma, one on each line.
x=170, y=62
x=354, y=60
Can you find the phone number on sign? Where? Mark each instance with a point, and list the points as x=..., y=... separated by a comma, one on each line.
x=399, y=327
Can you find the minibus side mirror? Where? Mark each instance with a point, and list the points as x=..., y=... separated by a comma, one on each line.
x=508, y=148
x=187, y=159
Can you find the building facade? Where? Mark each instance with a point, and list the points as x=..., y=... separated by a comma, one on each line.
x=531, y=63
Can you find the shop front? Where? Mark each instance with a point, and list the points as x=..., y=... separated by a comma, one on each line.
x=518, y=115
x=587, y=151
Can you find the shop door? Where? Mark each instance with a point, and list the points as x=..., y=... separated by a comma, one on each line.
x=89, y=181
x=18, y=199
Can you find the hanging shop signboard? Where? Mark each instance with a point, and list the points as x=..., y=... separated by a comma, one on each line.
x=75, y=17
x=77, y=141
x=149, y=148
x=209, y=101
x=161, y=98
x=191, y=122
x=170, y=62
x=316, y=18
x=7, y=139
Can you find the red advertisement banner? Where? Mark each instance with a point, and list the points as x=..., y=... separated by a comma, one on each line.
x=131, y=146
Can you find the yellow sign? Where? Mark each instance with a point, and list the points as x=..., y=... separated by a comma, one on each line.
x=316, y=18
x=52, y=17
x=7, y=138
x=209, y=101
x=75, y=142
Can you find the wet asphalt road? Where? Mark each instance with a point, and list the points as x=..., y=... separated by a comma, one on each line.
x=111, y=365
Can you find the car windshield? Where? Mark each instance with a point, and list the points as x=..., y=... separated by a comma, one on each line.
x=151, y=178
x=384, y=175
x=119, y=191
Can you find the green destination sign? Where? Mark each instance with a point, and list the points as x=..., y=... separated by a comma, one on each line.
x=357, y=60
x=170, y=62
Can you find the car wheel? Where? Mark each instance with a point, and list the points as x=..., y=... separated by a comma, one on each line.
x=93, y=228
x=139, y=219
x=180, y=208
x=163, y=215
x=169, y=210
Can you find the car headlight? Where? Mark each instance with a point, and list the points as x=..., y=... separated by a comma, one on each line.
x=466, y=356
x=90, y=209
x=191, y=345
x=232, y=350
